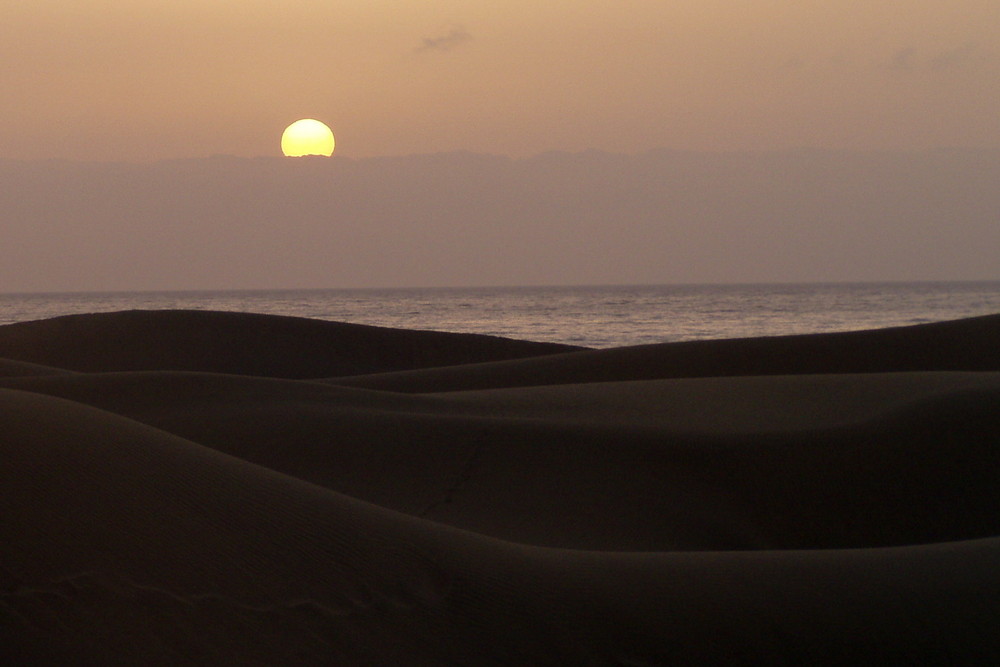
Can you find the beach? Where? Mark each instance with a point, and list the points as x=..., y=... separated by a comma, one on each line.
x=198, y=487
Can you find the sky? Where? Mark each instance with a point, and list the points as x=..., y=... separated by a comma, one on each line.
x=140, y=81
x=500, y=143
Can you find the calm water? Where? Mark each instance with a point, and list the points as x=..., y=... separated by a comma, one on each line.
x=592, y=316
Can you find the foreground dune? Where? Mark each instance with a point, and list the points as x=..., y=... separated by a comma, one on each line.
x=187, y=488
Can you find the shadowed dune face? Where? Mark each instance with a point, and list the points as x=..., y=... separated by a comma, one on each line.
x=809, y=500
x=739, y=463
x=245, y=344
x=13, y=368
x=969, y=344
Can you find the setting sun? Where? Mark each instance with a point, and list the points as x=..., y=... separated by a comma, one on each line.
x=307, y=137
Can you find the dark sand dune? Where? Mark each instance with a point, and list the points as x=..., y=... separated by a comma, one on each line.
x=969, y=344
x=245, y=343
x=795, y=514
x=14, y=368
x=735, y=463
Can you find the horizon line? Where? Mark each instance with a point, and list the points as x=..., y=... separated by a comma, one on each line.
x=790, y=283
x=513, y=158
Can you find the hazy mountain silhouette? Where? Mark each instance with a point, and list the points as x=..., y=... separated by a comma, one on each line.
x=466, y=219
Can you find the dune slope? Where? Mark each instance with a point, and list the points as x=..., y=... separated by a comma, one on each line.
x=968, y=344
x=245, y=343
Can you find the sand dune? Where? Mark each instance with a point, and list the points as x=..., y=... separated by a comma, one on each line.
x=796, y=500
x=968, y=344
x=245, y=343
x=12, y=368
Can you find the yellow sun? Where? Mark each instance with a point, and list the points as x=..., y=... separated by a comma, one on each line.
x=307, y=137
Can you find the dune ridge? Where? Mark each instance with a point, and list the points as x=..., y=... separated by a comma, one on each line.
x=246, y=344
x=828, y=499
x=968, y=344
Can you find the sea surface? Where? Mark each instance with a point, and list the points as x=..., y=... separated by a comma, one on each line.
x=594, y=316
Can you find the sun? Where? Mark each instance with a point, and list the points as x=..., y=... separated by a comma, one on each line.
x=307, y=137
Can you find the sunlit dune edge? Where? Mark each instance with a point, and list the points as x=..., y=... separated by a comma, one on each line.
x=187, y=487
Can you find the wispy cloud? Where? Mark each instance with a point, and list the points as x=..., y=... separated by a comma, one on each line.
x=909, y=59
x=966, y=54
x=903, y=60
x=445, y=42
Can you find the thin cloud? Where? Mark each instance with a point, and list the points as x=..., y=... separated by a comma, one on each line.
x=903, y=60
x=908, y=60
x=958, y=57
x=446, y=42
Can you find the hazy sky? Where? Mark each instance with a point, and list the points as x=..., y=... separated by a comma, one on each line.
x=139, y=80
x=465, y=219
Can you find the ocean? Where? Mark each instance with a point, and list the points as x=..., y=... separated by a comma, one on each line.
x=593, y=316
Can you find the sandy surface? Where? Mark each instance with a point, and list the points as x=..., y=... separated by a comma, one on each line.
x=218, y=488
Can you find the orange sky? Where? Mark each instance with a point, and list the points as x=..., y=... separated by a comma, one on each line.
x=138, y=80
